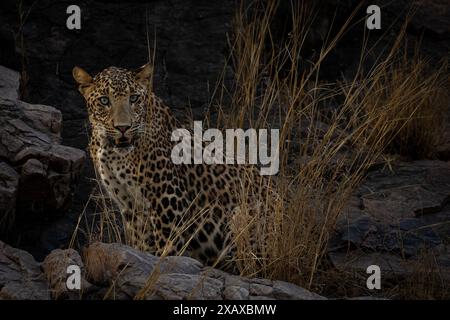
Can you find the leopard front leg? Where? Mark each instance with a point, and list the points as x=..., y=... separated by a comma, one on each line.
x=168, y=238
x=139, y=230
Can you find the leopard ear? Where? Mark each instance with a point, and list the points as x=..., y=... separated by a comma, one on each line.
x=144, y=74
x=83, y=79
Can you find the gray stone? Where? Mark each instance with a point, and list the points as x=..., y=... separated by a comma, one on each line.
x=9, y=83
x=9, y=183
x=55, y=269
x=30, y=143
x=132, y=273
x=411, y=190
x=20, y=276
x=236, y=293
x=130, y=269
x=177, y=286
x=33, y=167
x=236, y=281
x=261, y=298
x=64, y=159
x=392, y=265
x=289, y=291
x=257, y=289
x=403, y=202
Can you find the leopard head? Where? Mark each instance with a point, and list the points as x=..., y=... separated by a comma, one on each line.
x=117, y=101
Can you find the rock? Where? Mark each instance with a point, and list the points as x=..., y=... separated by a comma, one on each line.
x=33, y=167
x=407, y=201
x=63, y=159
x=235, y=293
x=390, y=264
x=257, y=289
x=433, y=15
x=121, y=272
x=260, y=298
x=131, y=268
x=288, y=291
x=177, y=286
x=46, y=172
x=26, y=128
x=105, y=262
x=358, y=230
x=9, y=83
x=55, y=268
x=404, y=214
x=413, y=189
x=21, y=276
x=9, y=184
x=366, y=298
x=132, y=274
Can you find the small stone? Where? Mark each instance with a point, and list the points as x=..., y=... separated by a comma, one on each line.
x=260, y=290
x=33, y=167
x=235, y=293
x=55, y=268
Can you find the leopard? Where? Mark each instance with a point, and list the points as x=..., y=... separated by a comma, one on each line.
x=182, y=207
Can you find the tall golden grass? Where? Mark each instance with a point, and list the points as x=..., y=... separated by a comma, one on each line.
x=396, y=105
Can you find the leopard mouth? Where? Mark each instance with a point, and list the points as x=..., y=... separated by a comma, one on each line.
x=123, y=143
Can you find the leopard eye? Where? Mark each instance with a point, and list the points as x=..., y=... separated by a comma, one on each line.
x=104, y=100
x=134, y=98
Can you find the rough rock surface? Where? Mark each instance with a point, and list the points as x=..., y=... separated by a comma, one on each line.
x=21, y=276
x=38, y=174
x=9, y=83
x=127, y=271
x=394, y=216
x=117, y=271
x=55, y=267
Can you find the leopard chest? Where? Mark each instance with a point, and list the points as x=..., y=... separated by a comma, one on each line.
x=117, y=174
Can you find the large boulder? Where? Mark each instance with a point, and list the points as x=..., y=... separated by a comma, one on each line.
x=117, y=271
x=135, y=274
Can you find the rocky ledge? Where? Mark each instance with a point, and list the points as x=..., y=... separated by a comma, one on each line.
x=399, y=219
x=37, y=173
x=117, y=271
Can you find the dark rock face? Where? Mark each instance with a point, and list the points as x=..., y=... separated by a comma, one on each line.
x=395, y=216
x=9, y=84
x=189, y=45
x=38, y=174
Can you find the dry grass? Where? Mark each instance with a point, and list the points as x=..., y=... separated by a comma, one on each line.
x=409, y=99
x=395, y=106
x=330, y=134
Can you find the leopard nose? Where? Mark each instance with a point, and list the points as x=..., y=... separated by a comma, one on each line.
x=122, y=129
